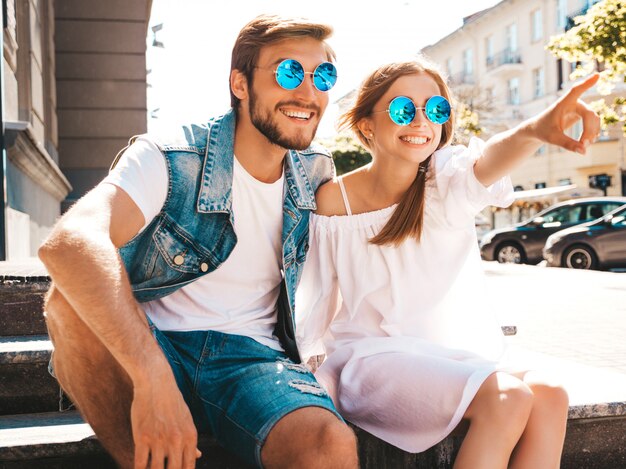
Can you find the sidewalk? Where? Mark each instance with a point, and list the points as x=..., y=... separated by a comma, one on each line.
x=571, y=325
x=568, y=314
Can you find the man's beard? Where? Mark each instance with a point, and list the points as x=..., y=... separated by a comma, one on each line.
x=269, y=128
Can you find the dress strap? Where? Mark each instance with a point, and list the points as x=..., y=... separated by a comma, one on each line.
x=345, y=196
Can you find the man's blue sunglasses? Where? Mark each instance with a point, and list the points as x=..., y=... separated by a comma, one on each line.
x=290, y=74
x=402, y=110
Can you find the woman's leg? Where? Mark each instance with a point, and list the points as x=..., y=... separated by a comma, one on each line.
x=541, y=443
x=498, y=416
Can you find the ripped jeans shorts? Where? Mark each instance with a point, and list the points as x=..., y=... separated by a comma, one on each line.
x=236, y=388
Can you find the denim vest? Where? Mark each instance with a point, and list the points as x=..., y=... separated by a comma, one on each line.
x=193, y=233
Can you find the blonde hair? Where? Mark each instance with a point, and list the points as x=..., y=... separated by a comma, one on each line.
x=407, y=219
x=268, y=29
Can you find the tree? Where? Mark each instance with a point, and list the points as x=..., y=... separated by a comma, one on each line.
x=348, y=153
x=467, y=124
x=599, y=39
x=474, y=113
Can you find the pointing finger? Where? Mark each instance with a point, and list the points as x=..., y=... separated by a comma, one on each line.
x=579, y=88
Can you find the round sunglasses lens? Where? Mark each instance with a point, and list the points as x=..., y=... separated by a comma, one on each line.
x=289, y=74
x=325, y=76
x=402, y=110
x=438, y=109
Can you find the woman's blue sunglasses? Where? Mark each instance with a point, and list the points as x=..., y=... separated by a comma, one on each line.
x=290, y=74
x=402, y=110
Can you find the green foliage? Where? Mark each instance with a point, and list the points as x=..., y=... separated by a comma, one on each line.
x=599, y=37
x=348, y=153
x=467, y=124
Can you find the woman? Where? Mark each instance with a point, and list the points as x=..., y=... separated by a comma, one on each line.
x=393, y=279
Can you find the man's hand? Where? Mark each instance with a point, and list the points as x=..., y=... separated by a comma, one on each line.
x=550, y=125
x=162, y=425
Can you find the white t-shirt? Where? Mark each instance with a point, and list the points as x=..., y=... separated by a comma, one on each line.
x=240, y=296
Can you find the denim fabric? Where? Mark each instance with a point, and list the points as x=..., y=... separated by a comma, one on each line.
x=193, y=234
x=236, y=388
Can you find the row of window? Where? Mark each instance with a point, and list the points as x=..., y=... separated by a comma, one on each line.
x=513, y=87
x=510, y=53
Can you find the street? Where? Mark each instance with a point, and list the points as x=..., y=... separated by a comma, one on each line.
x=571, y=325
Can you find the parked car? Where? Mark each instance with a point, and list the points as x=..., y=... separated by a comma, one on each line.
x=597, y=244
x=523, y=243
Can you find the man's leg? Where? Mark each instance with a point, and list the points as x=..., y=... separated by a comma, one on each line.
x=261, y=406
x=96, y=383
x=310, y=437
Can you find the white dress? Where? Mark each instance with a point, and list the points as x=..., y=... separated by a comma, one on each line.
x=407, y=338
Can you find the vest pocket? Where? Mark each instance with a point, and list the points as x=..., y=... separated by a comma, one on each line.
x=177, y=251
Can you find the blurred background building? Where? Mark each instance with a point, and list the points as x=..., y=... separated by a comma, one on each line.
x=74, y=89
x=498, y=65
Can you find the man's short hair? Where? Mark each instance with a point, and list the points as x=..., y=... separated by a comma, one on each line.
x=268, y=29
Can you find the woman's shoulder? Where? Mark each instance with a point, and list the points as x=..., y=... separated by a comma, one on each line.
x=329, y=199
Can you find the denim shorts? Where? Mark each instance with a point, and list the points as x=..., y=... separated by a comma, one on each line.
x=236, y=388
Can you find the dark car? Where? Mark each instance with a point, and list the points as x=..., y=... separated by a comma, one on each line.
x=524, y=242
x=597, y=244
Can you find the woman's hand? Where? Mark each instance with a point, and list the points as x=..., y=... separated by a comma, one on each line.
x=551, y=124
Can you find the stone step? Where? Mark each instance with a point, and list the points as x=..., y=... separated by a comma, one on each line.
x=25, y=384
x=64, y=441
x=21, y=305
x=49, y=440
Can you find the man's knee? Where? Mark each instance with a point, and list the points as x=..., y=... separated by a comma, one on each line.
x=57, y=311
x=311, y=437
x=65, y=327
x=338, y=443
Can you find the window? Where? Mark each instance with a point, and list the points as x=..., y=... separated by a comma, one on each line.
x=565, y=182
x=489, y=50
x=537, y=25
x=449, y=67
x=599, y=209
x=610, y=206
x=513, y=95
x=563, y=215
x=511, y=37
x=541, y=150
x=538, y=80
x=489, y=95
x=561, y=13
x=540, y=185
x=619, y=220
x=468, y=65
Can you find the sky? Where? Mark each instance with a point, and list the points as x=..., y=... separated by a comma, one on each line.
x=188, y=77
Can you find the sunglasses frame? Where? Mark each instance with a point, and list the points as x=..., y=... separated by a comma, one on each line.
x=417, y=108
x=315, y=73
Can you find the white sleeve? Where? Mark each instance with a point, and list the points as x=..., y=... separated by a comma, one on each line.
x=462, y=194
x=317, y=297
x=141, y=172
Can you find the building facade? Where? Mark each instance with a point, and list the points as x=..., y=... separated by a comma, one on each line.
x=498, y=57
x=74, y=76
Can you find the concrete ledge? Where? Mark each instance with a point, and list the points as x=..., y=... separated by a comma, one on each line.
x=25, y=384
x=29, y=349
x=64, y=440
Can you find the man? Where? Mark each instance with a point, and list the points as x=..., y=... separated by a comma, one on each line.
x=202, y=250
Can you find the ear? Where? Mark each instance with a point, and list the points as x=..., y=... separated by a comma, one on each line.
x=366, y=127
x=239, y=84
